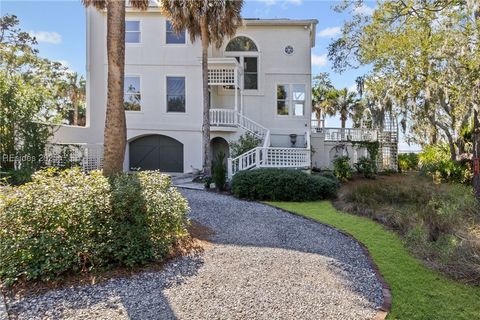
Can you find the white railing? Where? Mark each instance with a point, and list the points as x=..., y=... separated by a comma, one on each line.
x=252, y=126
x=88, y=157
x=223, y=117
x=349, y=134
x=317, y=125
x=270, y=157
x=230, y=117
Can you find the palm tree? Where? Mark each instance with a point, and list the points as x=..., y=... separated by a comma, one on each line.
x=74, y=91
x=115, y=132
x=321, y=86
x=211, y=21
x=343, y=102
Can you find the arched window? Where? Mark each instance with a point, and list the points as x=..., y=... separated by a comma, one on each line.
x=246, y=53
x=241, y=43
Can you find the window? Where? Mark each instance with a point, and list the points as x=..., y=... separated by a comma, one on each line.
x=282, y=100
x=298, y=95
x=132, y=31
x=244, y=50
x=131, y=93
x=291, y=104
x=241, y=44
x=172, y=37
x=175, y=94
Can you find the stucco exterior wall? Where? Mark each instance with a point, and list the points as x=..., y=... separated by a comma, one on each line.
x=153, y=60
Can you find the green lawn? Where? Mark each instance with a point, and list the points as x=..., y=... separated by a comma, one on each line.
x=418, y=292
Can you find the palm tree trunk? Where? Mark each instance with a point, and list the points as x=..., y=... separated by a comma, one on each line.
x=115, y=125
x=206, y=101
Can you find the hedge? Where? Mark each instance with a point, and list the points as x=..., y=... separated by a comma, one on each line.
x=69, y=221
x=282, y=185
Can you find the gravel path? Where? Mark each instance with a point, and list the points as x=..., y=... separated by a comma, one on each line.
x=264, y=264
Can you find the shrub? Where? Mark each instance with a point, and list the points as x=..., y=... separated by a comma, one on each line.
x=408, y=161
x=281, y=185
x=436, y=220
x=435, y=161
x=342, y=168
x=331, y=176
x=69, y=221
x=245, y=143
x=367, y=167
x=220, y=171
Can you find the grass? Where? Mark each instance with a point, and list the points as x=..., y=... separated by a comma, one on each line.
x=417, y=291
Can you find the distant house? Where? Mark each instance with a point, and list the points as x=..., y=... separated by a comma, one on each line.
x=260, y=82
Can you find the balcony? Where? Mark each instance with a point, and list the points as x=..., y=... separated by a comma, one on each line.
x=224, y=72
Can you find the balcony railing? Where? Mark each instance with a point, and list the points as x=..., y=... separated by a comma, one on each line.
x=349, y=134
x=223, y=117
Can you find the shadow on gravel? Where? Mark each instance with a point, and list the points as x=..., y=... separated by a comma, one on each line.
x=136, y=297
x=252, y=224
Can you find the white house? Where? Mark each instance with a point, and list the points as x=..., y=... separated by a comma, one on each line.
x=260, y=82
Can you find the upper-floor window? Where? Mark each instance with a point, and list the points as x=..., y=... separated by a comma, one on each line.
x=173, y=37
x=131, y=93
x=175, y=94
x=246, y=53
x=291, y=99
x=132, y=31
x=241, y=43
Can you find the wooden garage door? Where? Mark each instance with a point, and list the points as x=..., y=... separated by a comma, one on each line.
x=156, y=152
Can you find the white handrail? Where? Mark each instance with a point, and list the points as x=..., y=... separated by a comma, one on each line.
x=270, y=157
x=349, y=134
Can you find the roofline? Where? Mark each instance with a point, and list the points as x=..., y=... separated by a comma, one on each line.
x=279, y=22
x=306, y=23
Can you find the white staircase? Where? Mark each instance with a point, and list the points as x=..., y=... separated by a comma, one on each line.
x=264, y=156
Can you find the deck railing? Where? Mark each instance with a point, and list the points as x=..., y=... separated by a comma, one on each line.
x=270, y=157
x=223, y=117
x=349, y=134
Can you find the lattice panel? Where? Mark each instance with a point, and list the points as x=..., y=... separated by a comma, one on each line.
x=221, y=76
x=88, y=157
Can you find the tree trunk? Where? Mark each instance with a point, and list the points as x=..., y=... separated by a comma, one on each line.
x=115, y=135
x=343, y=121
x=207, y=163
x=476, y=152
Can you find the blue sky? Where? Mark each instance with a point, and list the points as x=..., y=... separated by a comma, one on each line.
x=60, y=29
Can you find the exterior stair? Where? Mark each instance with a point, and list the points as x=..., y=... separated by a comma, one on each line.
x=263, y=156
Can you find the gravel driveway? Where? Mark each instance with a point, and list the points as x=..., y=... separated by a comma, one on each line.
x=263, y=264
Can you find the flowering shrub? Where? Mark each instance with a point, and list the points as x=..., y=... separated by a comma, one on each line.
x=68, y=221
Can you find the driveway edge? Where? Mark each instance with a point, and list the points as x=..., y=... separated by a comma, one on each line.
x=387, y=295
x=3, y=308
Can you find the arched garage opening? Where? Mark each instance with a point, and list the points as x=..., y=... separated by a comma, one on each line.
x=156, y=152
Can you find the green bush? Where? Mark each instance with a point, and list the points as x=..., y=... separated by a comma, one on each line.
x=342, y=169
x=331, y=176
x=282, y=185
x=435, y=161
x=367, y=167
x=16, y=177
x=408, y=161
x=220, y=171
x=245, y=143
x=69, y=221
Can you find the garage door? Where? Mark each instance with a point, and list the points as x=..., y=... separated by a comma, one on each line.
x=156, y=152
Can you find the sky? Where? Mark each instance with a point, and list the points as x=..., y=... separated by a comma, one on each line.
x=59, y=26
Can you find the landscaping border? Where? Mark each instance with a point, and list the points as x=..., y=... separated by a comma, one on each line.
x=387, y=295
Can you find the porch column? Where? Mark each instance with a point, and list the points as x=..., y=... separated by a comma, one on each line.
x=236, y=98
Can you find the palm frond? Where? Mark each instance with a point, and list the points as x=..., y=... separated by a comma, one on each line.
x=223, y=16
